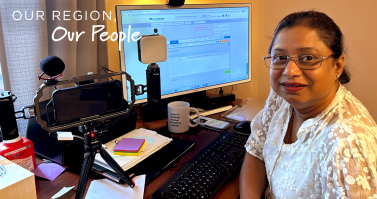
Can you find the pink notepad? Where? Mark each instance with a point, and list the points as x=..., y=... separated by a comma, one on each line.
x=129, y=145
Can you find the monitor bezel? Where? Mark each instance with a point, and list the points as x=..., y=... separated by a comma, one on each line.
x=119, y=8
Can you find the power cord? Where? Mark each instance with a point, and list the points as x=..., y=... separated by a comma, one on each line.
x=107, y=71
x=221, y=91
x=79, y=137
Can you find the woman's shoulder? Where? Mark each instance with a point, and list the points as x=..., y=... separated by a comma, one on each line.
x=346, y=118
x=352, y=105
x=352, y=112
x=350, y=120
x=349, y=138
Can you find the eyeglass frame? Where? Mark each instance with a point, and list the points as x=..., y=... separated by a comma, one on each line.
x=296, y=60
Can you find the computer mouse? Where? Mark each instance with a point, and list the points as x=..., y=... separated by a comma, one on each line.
x=242, y=128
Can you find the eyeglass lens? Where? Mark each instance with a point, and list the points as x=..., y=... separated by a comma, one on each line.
x=304, y=61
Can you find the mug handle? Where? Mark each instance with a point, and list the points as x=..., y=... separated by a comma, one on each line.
x=198, y=120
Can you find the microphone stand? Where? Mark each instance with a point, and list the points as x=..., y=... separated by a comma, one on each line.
x=153, y=109
x=153, y=85
x=93, y=145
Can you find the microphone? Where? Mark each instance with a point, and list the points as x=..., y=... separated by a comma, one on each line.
x=52, y=65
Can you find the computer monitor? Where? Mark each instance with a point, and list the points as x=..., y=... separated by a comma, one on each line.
x=209, y=46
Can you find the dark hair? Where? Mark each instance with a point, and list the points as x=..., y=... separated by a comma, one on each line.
x=326, y=28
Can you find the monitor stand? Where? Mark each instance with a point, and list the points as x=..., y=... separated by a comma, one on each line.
x=197, y=100
x=214, y=101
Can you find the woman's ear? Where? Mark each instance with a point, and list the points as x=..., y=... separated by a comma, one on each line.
x=339, y=65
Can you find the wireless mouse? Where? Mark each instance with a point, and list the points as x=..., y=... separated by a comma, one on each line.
x=242, y=128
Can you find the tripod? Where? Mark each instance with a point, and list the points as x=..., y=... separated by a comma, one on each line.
x=93, y=145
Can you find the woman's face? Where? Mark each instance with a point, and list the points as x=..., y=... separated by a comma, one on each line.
x=316, y=86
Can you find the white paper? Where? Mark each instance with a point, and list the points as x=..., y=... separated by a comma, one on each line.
x=62, y=192
x=105, y=188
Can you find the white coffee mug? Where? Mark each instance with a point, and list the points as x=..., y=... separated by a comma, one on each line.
x=179, y=117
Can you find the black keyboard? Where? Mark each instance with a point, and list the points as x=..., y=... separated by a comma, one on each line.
x=207, y=172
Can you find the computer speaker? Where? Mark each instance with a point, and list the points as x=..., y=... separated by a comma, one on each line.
x=176, y=2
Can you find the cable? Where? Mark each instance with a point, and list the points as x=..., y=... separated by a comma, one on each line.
x=107, y=71
x=76, y=136
x=221, y=91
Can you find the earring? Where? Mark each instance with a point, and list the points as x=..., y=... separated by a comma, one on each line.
x=337, y=76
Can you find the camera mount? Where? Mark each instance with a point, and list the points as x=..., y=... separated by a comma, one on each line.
x=91, y=127
x=46, y=126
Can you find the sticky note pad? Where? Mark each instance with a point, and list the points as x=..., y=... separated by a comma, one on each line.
x=49, y=171
x=130, y=153
x=129, y=145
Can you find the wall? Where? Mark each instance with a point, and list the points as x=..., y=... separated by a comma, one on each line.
x=356, y=20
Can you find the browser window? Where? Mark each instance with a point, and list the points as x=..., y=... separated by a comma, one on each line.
x=206, y=46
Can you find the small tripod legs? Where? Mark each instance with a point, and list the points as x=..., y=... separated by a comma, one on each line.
x=84, y=174
x=93, y=145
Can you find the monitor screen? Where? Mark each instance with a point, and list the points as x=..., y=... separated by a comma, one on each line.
x=208, y=46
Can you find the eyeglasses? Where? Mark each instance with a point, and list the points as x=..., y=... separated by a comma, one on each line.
x=303, y=61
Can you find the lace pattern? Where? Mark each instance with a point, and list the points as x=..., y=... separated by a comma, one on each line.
x=334, y=156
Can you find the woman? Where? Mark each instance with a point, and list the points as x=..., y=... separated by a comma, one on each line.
x=313, y=139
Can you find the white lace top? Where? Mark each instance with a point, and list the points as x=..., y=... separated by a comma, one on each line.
x=334, y=156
